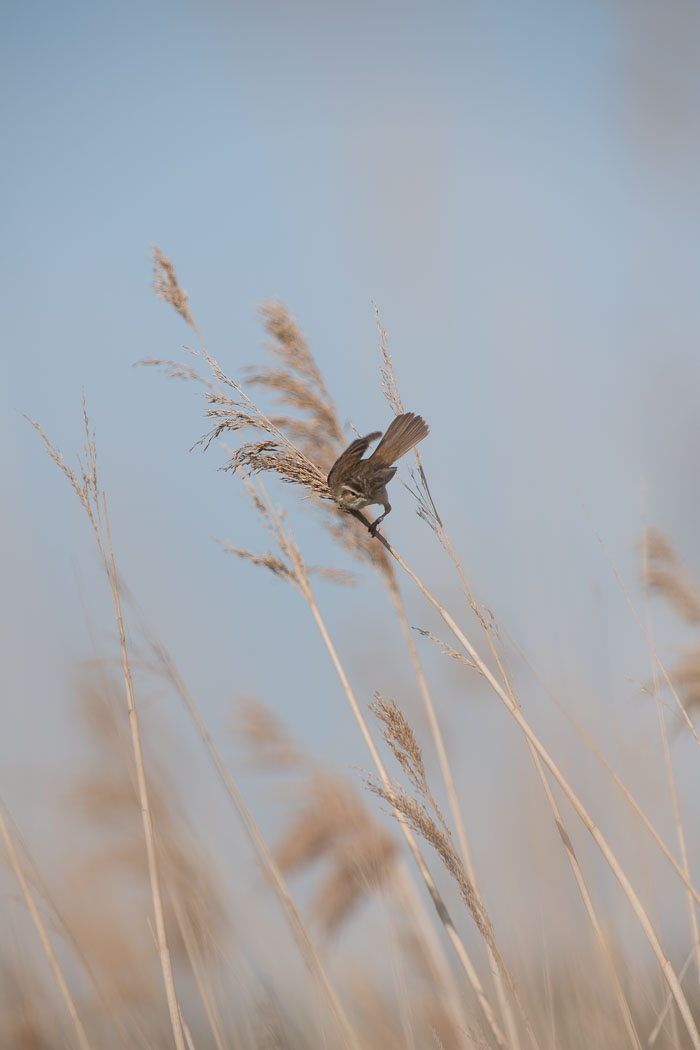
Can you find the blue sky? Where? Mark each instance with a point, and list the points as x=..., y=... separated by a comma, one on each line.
x=515, y=185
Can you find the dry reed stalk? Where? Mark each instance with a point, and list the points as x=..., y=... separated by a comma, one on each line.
x=650, y=550
x=111, y=945
x=335, y=825
x=428, y=511
x=573, y=862
x=421, y=812
x=55, y=966
x=94, y=502
x=268, y=865
x=654, y=1034
x=619, y=783
x=292, y=553
x=197, y=964
x=106, y=796
x=600, y=840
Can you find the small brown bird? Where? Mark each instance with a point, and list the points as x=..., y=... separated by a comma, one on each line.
x=356, y=482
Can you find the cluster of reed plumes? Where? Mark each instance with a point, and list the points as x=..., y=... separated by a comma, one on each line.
x=144, y=955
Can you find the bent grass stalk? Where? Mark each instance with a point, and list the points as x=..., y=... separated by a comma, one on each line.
x=267, y=862
x=616, y=779
x=391, y=392
x=301, y=575
x=600, y=840
x=428, y=511
x=94, y=503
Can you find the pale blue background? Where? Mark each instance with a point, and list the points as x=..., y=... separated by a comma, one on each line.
x=515, y=184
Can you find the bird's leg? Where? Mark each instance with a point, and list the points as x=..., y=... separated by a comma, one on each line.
x=387, y=507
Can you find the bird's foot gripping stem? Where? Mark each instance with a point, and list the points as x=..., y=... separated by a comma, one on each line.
x=373, y=527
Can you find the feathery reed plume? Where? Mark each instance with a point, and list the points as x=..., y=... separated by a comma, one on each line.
x=298, y=446
x=335, y=825
x=665, y=574
x=314, y=426
x=270, y=744
x=297, y=383
x=686, y=676
x=332, y=823
x=282, y=564
x=422, y=813
x=167, y=287
x=433, y=828
x=447, y=650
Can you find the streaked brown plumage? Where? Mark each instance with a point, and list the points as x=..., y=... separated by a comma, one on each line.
x=356, y=482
